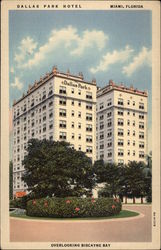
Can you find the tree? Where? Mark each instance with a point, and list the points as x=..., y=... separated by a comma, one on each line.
x=10, y=180
x=135, y=180
x=110, y=175
x=54, y=168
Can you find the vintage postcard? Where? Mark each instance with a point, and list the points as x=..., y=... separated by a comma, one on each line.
x=80, y=124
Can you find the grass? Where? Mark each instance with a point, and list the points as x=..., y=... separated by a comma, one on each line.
x=122, y=214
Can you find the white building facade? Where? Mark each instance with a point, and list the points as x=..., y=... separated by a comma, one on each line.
x=121, y=124
x=60, y=106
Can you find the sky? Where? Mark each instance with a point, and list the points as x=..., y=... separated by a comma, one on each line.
x=102, y=44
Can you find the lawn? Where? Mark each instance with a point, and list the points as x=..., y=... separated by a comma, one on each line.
x=122, y=214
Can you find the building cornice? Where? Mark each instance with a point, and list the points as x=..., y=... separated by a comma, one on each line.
x=54, y=73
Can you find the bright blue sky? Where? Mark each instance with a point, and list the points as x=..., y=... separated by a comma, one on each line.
x=101, y=44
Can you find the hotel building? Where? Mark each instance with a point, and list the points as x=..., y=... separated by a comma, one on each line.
x=60, y=106
x=121, y=124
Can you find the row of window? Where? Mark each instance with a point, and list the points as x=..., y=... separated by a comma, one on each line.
x=63, y=90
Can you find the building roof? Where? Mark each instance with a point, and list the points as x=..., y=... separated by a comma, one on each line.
x=113, y=86
x=48, y=76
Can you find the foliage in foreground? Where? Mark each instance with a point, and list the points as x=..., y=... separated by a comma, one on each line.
x=73, y=207
x=54, y=168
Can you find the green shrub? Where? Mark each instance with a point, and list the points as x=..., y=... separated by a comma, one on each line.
x=19, y=202
x=73, y=207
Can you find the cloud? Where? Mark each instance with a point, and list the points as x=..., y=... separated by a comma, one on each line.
x=26, y=48
x=17, y=84
x=143, y=58
x=89, y=39
x=112, y=58
x=67, y=37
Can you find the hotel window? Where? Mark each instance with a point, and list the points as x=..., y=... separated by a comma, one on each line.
x=101, y=155
x=133, y=103
x=133, y=152
x=33, y=134
x=128, y=102
x=79, y=147
x=120, y=122
x=120, y=161
x=72, y=135
x=44, y=128
x=79, y=92
x=50, y=137
x=79, y=114
x=72, y=124
x=133, y=133
x=44, y=118
x=32, y=102
x=120, y=142
x=101, y=135
x=128, y=112
x=88, y=117
x=109, y=114
x=50, y=114
x=128, y=152
x=109, y=153
x=24, y=109
x=89, y=95
x=88, y=138
x=62, y=112
x=141, y=125
x=72, y=91
x=32, y=114
x=50, y=126
x=120, y=101
x=101, y=125
x=44, y=107
x=109, y=144
x=50, y=104
x=79, y=125
x=133, y=123
x=44, y=95
x=50, y=92
x=101, y=105
x=89, y=149
x=62, y=124
x=101, y=117
x=141, y=116
x=120, y=132
x=62, y=90
x=109, y=133
x=133, y=113
x=79, y=136
x=72, y=146
x=120, y=152
x=79, y=103
x=62, y=135
x=109, y=122
x=120, y=112
x=89, y=106
x=133, y=143
x=72, y=113
x=88, y=127
x=128, y=122
x=128, y=142
x=109, y=102
x=72, y=102
x=101, y=146
x=62, y=101
x=141, y=144
x=141, y=105
x=141, y=154
x=128, y=132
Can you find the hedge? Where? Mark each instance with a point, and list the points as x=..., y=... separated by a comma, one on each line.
x=73, y=207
